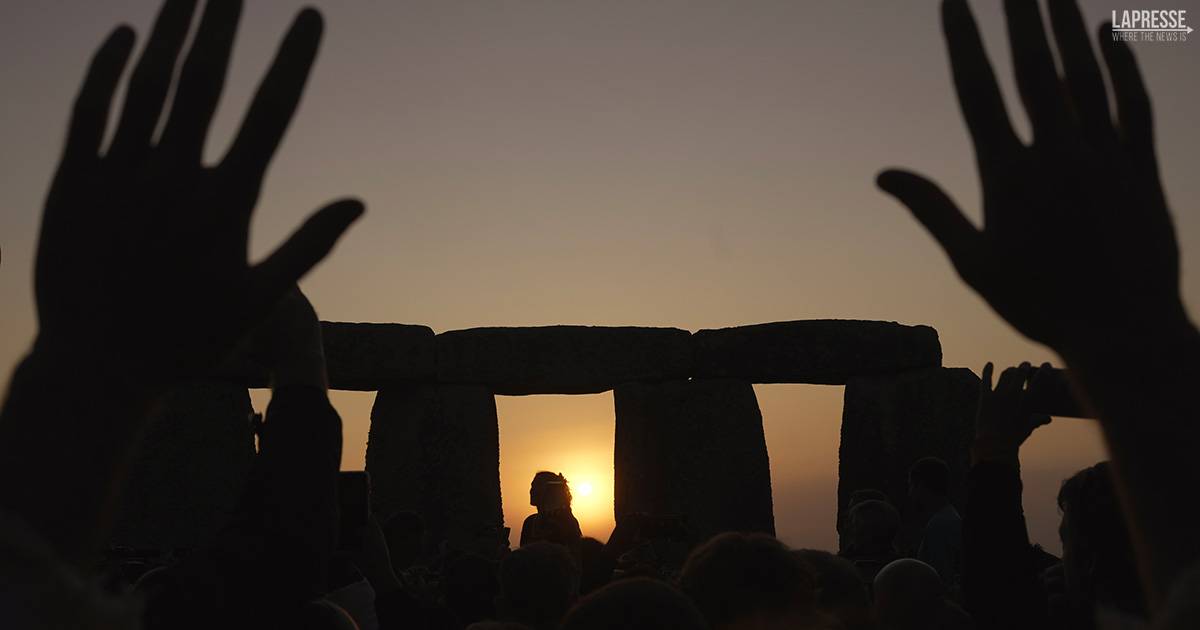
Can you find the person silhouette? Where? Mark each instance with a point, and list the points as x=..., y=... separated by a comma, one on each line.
x=740, y=580
x=941, y=533
x=635, y=604
x=538, y=585
x=870, y=537
x=553, y=522
x=910, y=595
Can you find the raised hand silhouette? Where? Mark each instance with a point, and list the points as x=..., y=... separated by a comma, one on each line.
x=1006, y=418
x=142, y=257
x=141, y=276
x=1077, y=251
x=1077, y=242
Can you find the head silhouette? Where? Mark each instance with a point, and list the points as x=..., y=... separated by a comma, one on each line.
x=929, y=483
x=871, y=528
x=1098, y=560
x=538, y=584
x=908, y=596
x=470, y=587
x=553, y=522
x=841, y=593
x=737, y=579
x=596, y=567
x=635, y=604
x=866, y=494
x=549, y=491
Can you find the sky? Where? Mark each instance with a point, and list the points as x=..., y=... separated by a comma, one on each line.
x=691, y=164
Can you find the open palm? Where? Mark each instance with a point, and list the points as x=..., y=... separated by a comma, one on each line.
x=1077, y=241
x=142, y=256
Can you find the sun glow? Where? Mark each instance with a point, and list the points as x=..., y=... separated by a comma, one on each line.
x=572, y=435
x=591, y=494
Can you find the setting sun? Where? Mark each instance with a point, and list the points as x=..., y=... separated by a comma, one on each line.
x=572, y=435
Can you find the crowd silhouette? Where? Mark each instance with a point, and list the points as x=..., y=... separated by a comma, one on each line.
x=142, y=283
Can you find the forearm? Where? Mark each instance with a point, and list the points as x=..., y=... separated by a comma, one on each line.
x=1142, y=389
x=300, y=453
x=68, y=429
x=999, y=581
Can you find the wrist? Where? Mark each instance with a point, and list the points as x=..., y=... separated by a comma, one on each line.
x=1168, y=338
x=1160, y=358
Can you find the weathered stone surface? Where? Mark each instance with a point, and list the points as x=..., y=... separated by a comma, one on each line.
x=889, y=422
x=435, y=450
x=825, y=351
x=561, y=359
x=693, y=449
x=363, y=357
x=374, y=356
x=190, y=469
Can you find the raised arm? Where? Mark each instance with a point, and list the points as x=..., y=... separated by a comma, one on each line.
x=142, y=277
x=300, y=450
x=1000, y=580
x=1077, y=251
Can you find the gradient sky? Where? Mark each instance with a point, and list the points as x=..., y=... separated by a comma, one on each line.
x=691, y=164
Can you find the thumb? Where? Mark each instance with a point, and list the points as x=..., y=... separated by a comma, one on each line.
x=305, y=248
x=937, y=212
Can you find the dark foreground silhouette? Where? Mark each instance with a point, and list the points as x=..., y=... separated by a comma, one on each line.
x=142, y=283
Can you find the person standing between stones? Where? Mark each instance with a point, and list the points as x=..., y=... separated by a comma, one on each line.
x=941, y=538
x=869, y=540
x=551, y=495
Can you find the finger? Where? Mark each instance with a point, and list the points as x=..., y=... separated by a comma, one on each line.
x=201, y=80
x=1084, y=81
x=985, y=379
x=1011, y=380
x=1039, y=420
x=1037, y=79
x=1133, y=103
x=978, y=95
x=151, y=79
x=304, y=249
x=276, y=101
x=1026, y=373
x=938, y=213
x=90, y=114
x=1040, y=382
x=1041, y=376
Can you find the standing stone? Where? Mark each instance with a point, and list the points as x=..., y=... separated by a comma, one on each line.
x=435, y=450
x=889, y=422
x=190, y=469
x=693, y=449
